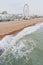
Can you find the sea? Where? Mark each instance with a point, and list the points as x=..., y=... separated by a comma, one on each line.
x=24, y=48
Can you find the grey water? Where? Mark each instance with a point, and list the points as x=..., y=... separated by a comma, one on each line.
x=37, y=54
x=21, y=57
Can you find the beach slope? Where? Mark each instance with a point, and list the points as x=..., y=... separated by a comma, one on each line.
x=13, y=27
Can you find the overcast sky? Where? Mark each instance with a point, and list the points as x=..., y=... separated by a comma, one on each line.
x=16, y=6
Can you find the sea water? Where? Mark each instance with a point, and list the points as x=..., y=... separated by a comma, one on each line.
x=26, y=48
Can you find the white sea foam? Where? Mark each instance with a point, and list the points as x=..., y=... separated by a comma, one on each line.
x=23, y=48
x=4, y=43
x=14, y=43
x=26, y=31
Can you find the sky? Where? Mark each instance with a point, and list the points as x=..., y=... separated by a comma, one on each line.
x=16, y=6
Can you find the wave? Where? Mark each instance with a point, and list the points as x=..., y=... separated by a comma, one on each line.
x=12, y=43
x=28, y=30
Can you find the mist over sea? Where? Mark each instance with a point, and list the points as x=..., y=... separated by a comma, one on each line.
x=26, y=47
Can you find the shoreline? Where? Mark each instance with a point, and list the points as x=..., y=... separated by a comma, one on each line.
x=13, y=27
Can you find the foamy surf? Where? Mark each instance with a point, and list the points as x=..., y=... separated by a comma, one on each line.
x=28, y=30
x=10, y=43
